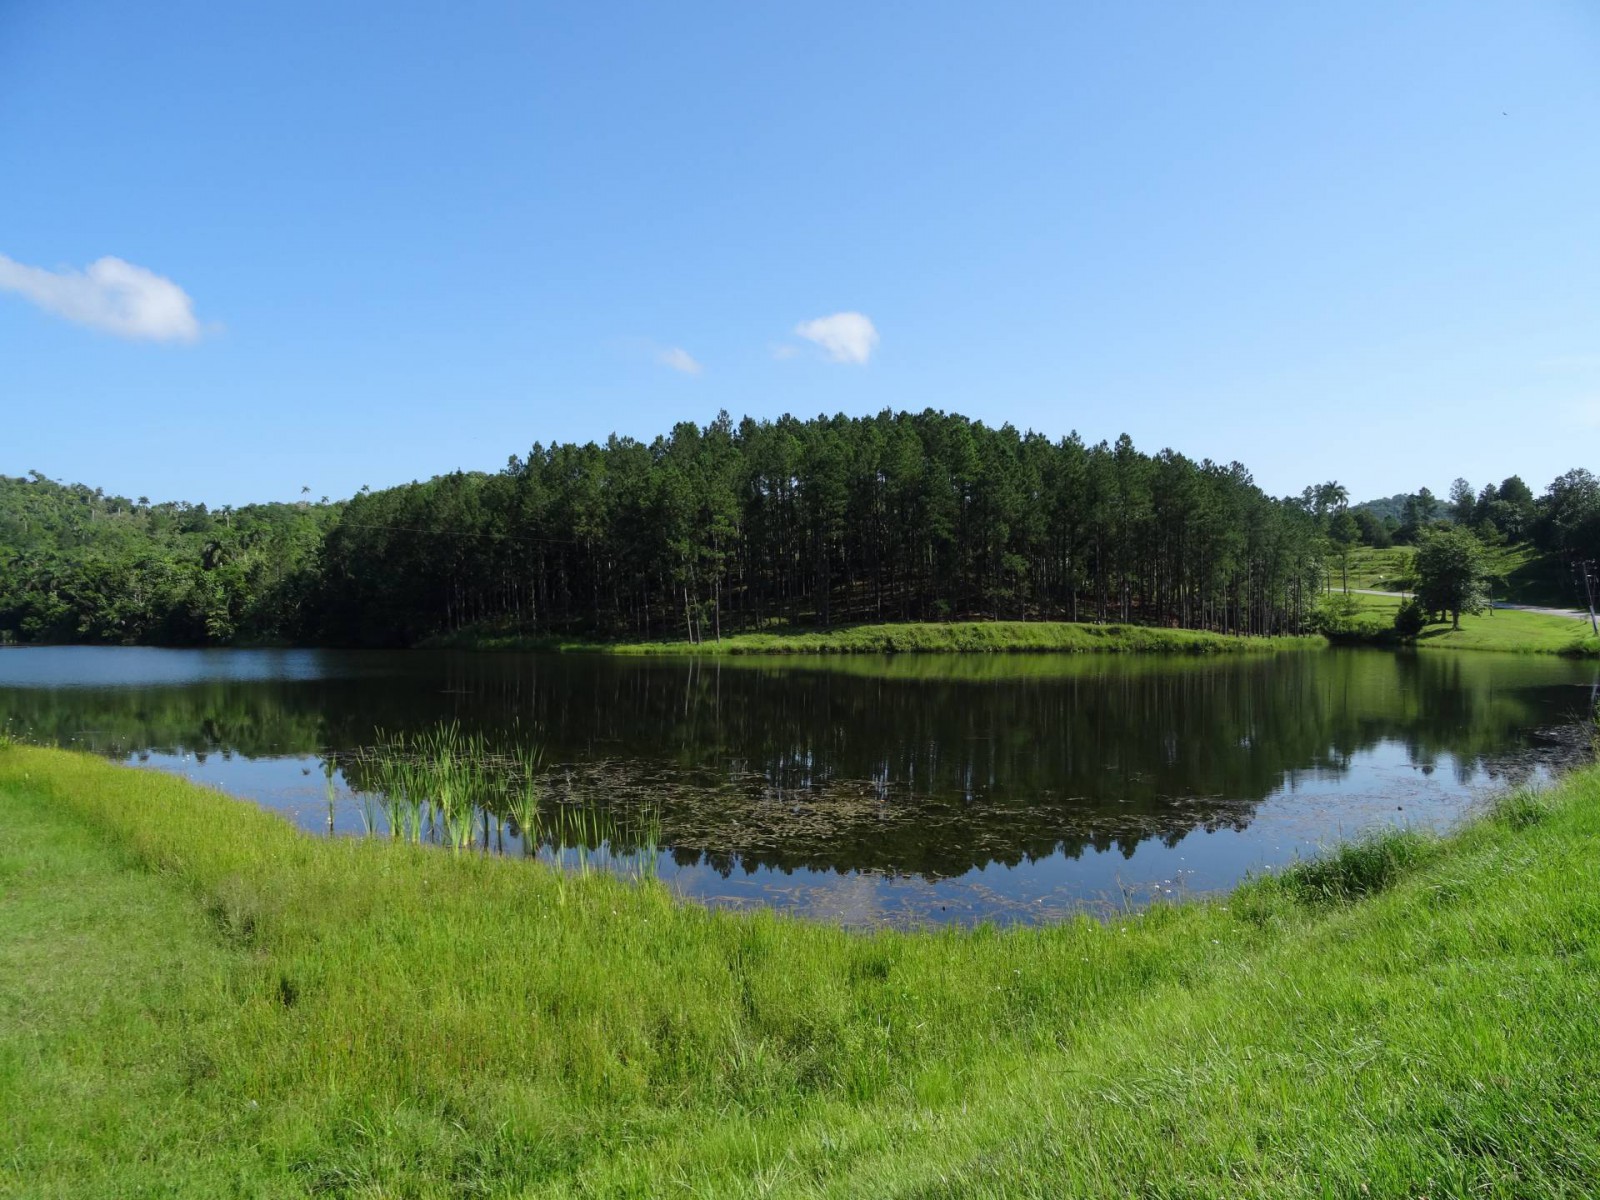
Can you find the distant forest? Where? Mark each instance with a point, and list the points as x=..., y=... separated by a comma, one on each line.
x=731, y=527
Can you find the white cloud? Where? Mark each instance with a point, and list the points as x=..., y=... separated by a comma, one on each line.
x=680, y=360
x=784, y=350
x=847, y=337
x=110, y=295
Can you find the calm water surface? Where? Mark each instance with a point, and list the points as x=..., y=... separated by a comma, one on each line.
x=906, y=790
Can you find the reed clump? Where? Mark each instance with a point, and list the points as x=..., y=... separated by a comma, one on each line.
x=453, y=788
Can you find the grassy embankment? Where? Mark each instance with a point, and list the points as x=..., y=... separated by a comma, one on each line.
x=196, y=1000
x=1386, y=569
x=1371, y=620
x=1522, y=574
x=922, y=636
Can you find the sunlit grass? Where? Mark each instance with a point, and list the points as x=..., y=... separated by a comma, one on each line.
x=1503, y=629
x=1386, y=569
x=919, y=636
x=198, y=1000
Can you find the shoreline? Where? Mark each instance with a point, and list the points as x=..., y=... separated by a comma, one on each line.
x=931, y=637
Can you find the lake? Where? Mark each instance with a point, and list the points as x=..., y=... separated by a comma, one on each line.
x=904, y=790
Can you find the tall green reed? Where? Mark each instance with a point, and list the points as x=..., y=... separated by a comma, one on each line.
x=453, y=787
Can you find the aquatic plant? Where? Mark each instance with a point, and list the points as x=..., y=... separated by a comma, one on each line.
x=445, y=785
x=368, y=807
x=330, y=789
x=648, y=846
x=458, y=823
x=524, y=803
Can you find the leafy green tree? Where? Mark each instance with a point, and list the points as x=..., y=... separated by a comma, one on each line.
x=1513, y=491
x=1569, y=515
x=1344, y=532
x=1371, y=530
x=1452, y=574
x=1323, y=500
x=1419, y=513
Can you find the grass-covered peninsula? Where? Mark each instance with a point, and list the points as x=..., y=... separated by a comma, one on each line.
x=1347, y=620
x=199, y=1001
x=921, y=636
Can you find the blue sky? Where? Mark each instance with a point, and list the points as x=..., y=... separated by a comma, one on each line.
x=363, y=243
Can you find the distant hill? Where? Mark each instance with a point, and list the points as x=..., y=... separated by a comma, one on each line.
x=1388, y=506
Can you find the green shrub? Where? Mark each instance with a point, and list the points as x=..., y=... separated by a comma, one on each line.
x=1345, y=618
x=1410, y=618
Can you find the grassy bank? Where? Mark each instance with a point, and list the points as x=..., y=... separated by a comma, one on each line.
x=922, y=636
x=195, y=1000
x=1372, y=621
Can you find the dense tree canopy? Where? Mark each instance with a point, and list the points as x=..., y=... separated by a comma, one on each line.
x=717, y=528
x=1569, y=518
x=77, y=565
x=816, y=522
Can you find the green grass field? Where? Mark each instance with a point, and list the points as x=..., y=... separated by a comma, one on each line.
x=196, y=1000
x=1522, y=574
x=1504, y=630
x=1373, y=568
x=921, y=636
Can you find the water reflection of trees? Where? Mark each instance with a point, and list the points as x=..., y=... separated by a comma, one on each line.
x=910, y=764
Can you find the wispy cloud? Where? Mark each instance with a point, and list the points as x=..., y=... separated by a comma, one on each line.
x=110, y=295
x=680, y=359
x=846, y=337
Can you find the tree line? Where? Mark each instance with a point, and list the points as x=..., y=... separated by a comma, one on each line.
x=708, y=530
x=726, y=527
x=78, y=565
x=1565, y=521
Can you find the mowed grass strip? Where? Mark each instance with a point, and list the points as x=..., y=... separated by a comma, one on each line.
x=113, y=988
x=199, y=1000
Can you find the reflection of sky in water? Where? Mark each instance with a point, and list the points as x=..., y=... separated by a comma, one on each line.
x=146, y=666
x=1313, y=809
